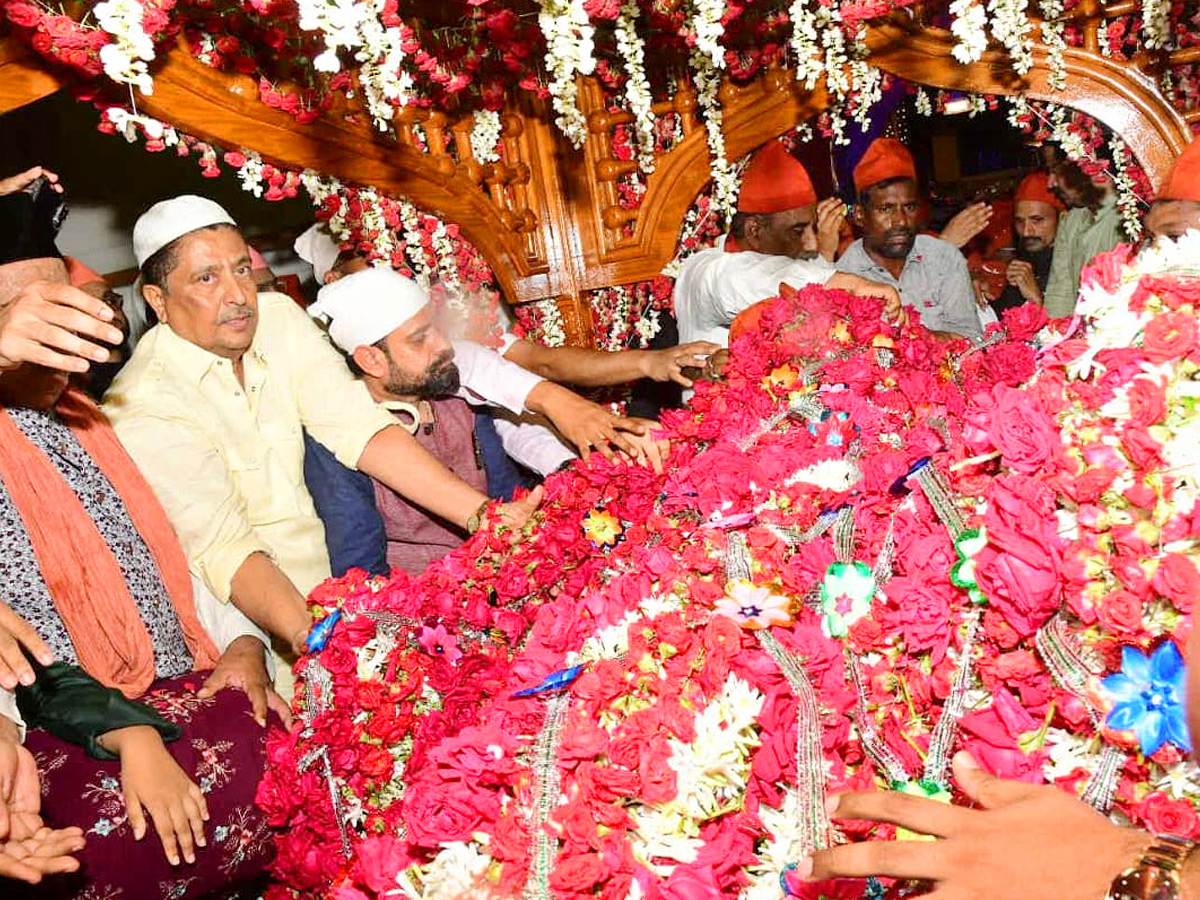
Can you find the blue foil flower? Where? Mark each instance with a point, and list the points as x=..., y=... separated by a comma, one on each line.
x=1148, y=698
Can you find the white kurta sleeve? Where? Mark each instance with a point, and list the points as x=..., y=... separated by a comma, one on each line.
x=8, y=707
x=487, y=377
x=532, y=444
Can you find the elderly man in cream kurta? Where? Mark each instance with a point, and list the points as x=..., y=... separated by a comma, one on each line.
x=212, y=405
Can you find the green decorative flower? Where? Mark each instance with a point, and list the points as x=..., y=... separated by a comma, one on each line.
x=931, y=790
x=962, y=575
x=846, y=594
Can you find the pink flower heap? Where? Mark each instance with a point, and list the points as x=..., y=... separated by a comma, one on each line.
x=872, y=548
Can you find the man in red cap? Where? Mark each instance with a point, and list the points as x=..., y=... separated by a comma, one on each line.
x=1035, y=220
x=779, y=235
x=1091, y=226
x=1177, y=209
x=930, y=274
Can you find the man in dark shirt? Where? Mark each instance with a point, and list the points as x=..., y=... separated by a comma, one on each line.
x=1035, y=221
x=1036, y=211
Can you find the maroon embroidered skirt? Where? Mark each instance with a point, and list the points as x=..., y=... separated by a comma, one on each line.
x=222, y=749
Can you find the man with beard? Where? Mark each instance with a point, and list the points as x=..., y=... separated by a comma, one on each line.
x=384, y=323
x=1091, y=226
x=1177, y=209
x=779, y=235
x=930, y=274
x=1035, y=220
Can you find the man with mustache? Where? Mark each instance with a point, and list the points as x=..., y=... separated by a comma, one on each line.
x=930, y=274
x=1035, y=221
x=1177, y=209
x=384, y=323
x=1091, y=226
x=779, y=235
x=212, y=406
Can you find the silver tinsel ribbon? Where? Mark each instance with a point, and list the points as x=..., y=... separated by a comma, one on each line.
x=1072, y=673
x=318, y=688
x=547, y=784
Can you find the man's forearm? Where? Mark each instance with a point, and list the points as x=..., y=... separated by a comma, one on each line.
x=268, y=598
x=394, y=457
x=576, y=365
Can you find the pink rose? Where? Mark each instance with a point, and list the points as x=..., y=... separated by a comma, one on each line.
x=1166, y=816
x=380, y=859
x=437, y=811
x=578, y=874
x=1178, y=581
x=1027, y=438
x=1024, y=321
x=1120, y=611
x=1147, y=402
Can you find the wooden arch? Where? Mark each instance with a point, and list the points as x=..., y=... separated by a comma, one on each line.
x=547, y=218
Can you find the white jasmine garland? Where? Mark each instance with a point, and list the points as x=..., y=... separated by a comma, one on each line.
x=569, y=52
x=868, y=82
x=128, y=124
x=804, y=43
x=1011, y=26
x=1055, y=42
x=924, y=103
x=251, y=174
x=1156, y=26
x=637, y=87
x=1127, y=199
x=355, y=25
x=554, y=332
x=708, y=81
x=127, y=59
x=969, y=27
x=485, y=135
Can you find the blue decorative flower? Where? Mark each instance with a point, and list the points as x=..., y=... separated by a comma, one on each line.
x=1148, y=698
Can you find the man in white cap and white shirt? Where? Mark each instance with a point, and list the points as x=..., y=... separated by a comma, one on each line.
x=384, y=323
x=578, y=366
x=212, y=405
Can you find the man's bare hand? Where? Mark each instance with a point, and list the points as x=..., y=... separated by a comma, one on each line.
x=651, y=451
x=22, y=180
x=668, y=364
x=997, y=852
x=831, y=213
x=243, y=667
x=44, y=851
x=50, y=324
x=893, y=309
x=1020, y=275
x=966, y=224
x=516, y=513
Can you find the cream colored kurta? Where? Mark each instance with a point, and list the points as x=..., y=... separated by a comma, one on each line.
x=226, y=460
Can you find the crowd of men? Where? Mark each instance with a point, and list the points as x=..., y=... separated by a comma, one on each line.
x=158, y=548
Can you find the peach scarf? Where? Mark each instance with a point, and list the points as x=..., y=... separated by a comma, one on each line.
x=82, y=574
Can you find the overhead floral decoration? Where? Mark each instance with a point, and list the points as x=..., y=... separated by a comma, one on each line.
x=472, y=53
x=870, y=549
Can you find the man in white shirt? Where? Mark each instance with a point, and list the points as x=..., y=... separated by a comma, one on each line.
x=780, y=235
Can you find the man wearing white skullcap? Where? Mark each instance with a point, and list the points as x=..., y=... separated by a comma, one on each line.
x=317, y=247
x=212, y=406
x=384, y=323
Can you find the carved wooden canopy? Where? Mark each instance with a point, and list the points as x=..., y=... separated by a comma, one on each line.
x=547, y=217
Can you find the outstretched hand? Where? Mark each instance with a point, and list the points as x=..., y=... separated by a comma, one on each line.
x=15, y=634
x=517, y=512
x=22, y=180
x=996, y=852
x=966, y=224
x=668, y=364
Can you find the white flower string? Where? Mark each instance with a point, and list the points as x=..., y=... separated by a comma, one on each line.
x=569, y=52
x=1127, y=199
x=1055, y=41
x=637, y=88
x=969, y=27
x=1156, y=24
x=485, y=136
x=1011, y=25
x=127, y=59
x=357, y=26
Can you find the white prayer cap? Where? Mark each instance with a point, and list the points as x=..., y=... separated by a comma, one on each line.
x=318, y=248
x=368, y=305
x=169, y=220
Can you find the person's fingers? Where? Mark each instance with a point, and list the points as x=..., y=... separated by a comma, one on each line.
x=280, y=707
x=178, y=830
x=135, y=814
x=214, y=683
x=893, y=859
x=258, y=701
x=986, y=789
x=19, y=870
x=633, y=424
x=914, y=813
x=22, y=632
x=62, y=338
